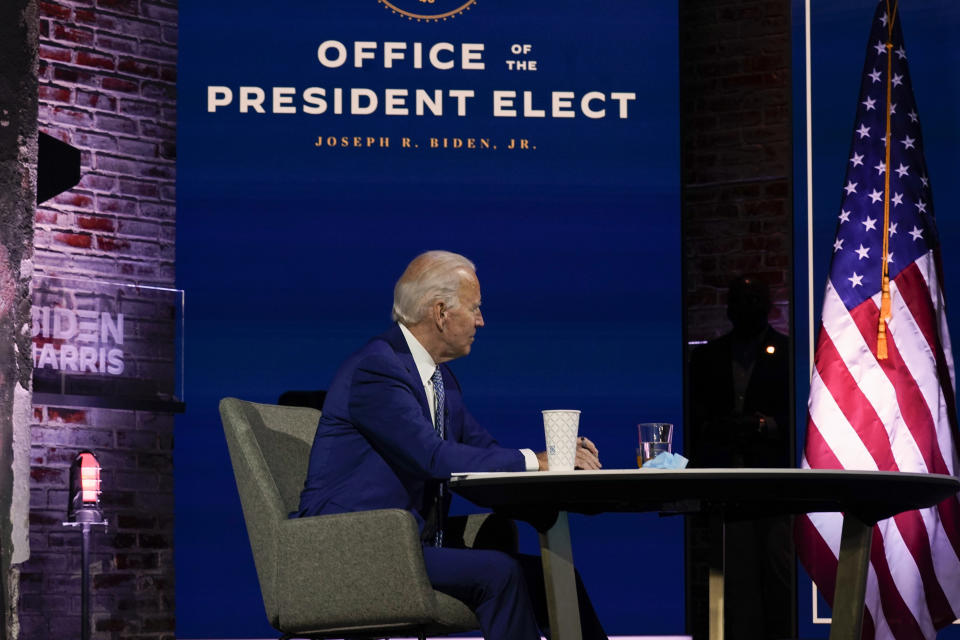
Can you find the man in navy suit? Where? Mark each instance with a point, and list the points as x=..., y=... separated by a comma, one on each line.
x=394, y=428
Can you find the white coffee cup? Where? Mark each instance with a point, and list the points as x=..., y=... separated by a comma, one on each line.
x=560, y=430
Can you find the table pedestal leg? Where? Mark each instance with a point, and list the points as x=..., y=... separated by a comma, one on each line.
x=851, y=584
x=715, y=577
x=558, y=577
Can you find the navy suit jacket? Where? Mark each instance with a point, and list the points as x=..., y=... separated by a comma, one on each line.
x=376, y=447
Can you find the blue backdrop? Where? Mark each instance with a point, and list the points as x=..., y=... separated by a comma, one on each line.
x=289, y=251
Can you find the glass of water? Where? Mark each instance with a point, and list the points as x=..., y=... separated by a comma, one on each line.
x=655, y=438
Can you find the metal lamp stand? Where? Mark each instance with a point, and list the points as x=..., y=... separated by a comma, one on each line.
x=85, y=529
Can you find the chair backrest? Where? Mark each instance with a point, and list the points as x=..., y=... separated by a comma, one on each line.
x=269, y=450
x=303, y=398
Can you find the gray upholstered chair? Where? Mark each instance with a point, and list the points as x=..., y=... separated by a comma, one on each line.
x=349, y=574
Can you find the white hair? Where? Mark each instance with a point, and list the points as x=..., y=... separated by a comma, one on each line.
x=431, y=276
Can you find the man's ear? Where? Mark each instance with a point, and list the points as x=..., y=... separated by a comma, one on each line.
x=439, y=312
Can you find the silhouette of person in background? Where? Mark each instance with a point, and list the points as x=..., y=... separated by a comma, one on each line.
x=740, y=387
x=740, y=409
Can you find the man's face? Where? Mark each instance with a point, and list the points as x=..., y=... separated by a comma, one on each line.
x=748, y=307
x=460, y=323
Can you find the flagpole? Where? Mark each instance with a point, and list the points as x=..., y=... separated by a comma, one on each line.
x=809, y=107
x=885, y=252
x=810, y=309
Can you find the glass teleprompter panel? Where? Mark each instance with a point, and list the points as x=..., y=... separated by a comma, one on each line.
x=105, y=344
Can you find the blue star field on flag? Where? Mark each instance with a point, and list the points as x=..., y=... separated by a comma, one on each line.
x=856, y=269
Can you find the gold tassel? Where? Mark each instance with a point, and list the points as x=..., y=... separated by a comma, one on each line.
x=884, y=316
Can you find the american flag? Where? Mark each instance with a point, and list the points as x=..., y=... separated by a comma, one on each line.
x=892, y=413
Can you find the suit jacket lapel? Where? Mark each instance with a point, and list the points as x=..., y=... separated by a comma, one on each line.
x=395, y=339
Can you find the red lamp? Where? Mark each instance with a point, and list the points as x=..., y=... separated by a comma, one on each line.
x=85, y=489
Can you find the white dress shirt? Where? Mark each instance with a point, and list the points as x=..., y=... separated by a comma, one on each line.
x=425, y=367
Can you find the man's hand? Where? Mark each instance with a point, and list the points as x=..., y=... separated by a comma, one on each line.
x=542, y=459
x=587, y=456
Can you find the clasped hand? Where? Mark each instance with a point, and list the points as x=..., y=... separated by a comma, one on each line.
x=587, y=456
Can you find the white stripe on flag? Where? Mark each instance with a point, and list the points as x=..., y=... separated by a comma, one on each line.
x=873, y=383
x=906, y=574
x=830, y=526
x=913, y=348
x=861, y=363
x=840, y=437
x=945, y=437
x=928, y=269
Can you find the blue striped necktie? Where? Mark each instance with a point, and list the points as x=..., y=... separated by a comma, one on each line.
x=438, y=397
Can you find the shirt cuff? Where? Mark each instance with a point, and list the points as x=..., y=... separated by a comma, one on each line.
x=531, y=459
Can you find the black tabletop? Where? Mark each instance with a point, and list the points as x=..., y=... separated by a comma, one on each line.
x=871, y=495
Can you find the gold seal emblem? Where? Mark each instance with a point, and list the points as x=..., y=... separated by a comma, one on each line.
x=427, y=10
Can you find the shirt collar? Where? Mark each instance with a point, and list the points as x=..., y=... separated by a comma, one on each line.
x=421, y=357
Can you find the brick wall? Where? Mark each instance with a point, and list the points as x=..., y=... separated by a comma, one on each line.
x=107, y=86
x=107, y=78
x=736, y=187
x=736, y=132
